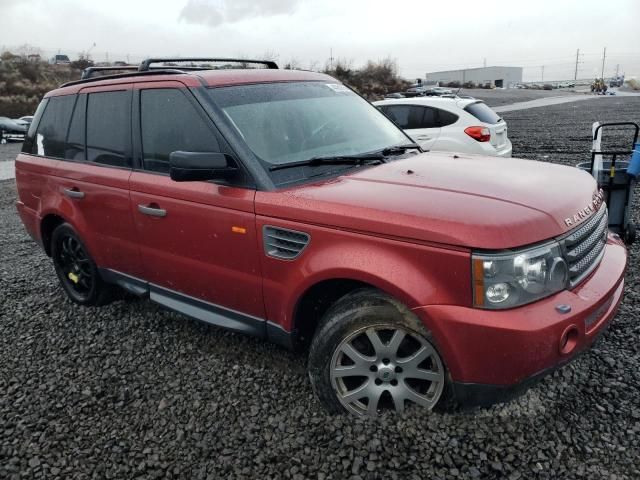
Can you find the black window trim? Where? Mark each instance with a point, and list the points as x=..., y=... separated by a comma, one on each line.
x=80, y=97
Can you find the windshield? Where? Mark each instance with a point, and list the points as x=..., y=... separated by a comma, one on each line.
x=293, y=122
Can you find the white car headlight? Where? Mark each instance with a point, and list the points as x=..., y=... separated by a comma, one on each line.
x=513, y=278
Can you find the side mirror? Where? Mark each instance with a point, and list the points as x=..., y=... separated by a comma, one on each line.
x=198, y=166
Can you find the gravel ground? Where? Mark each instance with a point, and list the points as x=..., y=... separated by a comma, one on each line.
x=132, y=391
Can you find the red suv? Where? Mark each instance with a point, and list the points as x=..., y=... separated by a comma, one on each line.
x=282, y=204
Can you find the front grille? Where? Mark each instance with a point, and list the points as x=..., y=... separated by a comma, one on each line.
x=584, y=246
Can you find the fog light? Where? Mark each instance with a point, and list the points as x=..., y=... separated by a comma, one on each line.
x=498, y=293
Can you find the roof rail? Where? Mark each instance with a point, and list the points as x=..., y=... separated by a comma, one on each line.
x=146, y=64
x=88, y=72
x=155, y=71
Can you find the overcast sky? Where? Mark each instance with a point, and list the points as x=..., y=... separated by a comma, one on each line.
x=421, y=35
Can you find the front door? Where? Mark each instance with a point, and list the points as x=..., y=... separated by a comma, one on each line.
x=198, y=241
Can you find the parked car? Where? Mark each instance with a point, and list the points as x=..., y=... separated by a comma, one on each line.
x=281, y=204
x=26, y=120
x=415, y=92
x=441, y=91
x=464, y=125
x=11, y=130
x=59, y=60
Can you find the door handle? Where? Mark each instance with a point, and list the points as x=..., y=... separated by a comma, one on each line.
x=423, y=137
x=152, y=210
x=73, y=193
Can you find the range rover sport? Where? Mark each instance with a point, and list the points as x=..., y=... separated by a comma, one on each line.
x=282, y=204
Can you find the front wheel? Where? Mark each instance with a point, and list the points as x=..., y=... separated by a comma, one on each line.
x=76, y=270
x=371, y=354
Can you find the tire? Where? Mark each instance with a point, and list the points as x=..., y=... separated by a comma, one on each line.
x=395, y=362
x=76, y=270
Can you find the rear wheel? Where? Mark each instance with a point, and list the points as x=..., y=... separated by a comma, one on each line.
x=76, y=270
x=371, y=354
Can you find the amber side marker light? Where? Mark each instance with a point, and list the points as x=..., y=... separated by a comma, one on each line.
x=235, y=229
x=478, y=282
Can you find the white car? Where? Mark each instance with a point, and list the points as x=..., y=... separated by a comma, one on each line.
x=441, y=90
x=464, y=125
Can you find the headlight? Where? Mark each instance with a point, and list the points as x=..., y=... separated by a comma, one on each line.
x=511, y=279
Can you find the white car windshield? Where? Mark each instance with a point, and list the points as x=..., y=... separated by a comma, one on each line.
x=296, y=121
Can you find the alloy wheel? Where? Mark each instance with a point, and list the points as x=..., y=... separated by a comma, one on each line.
x=75, y=266
x=386, y=367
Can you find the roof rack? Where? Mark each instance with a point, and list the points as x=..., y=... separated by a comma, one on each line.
x=146, y=68
x=88, y=72
x=146, y=64
x=155, y=71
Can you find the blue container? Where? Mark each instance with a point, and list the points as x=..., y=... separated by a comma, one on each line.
x=634, y=164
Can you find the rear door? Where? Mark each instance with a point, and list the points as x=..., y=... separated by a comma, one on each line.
x=198, y=239
x=419, y=122
x=89, y=136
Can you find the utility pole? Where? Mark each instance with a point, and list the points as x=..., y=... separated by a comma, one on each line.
x=542, y=67
x=575, y=75
x=617, y=70
x=485, y=62
x=331, y=59
x=604, y=55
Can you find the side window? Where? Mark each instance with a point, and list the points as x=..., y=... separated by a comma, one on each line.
x=75, y=147
x=52, y=129
x=29, y=141
x=405, y=116
x=170, y=122
x=429, y=120
x=108, y=128
x=446, y=118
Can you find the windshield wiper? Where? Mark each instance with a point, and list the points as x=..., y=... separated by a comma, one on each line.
x=399, y=149
x=360, y=159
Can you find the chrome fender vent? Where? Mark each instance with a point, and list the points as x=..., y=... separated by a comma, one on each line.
x=283, y=243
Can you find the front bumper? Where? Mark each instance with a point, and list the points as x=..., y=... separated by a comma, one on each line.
x=488, y=350
x=18, y=137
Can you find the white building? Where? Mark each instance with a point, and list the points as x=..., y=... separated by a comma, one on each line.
x=506, y=77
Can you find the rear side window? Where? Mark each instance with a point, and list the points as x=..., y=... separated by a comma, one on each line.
x=446, y=118
x=170, y=122
x=405, y=116
x=29, y=142
x=482, y=112
x=108, y=128
x=51, y=132
x=429, y=118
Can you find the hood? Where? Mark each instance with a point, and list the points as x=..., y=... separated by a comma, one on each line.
x=462, y=200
